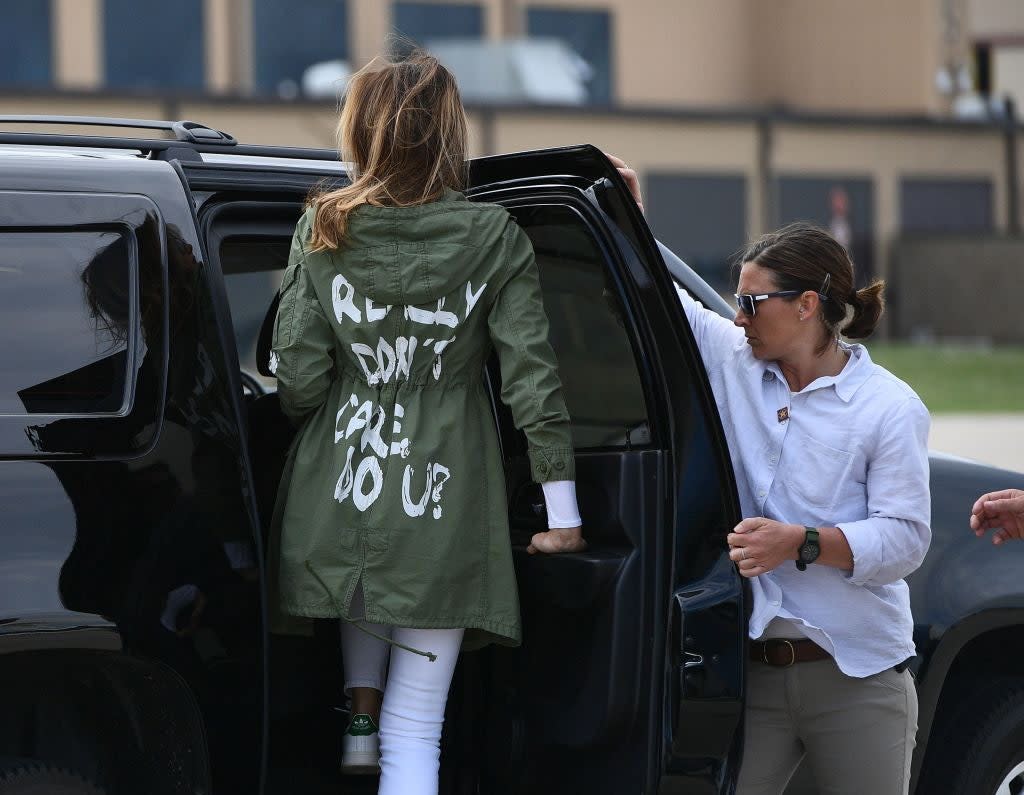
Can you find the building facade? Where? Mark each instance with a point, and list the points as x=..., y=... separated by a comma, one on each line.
x=870, y=117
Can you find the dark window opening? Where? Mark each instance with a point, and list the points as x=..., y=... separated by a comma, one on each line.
x=945, y=206
x=26, y=49
x=417, y=24
x=589, y=34
x=702, y=218
x=154, y=45
x=983, y=68
x=844, y=205
x=290, y=37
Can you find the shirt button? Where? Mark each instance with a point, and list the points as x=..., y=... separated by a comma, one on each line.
x=768, y=375
x=762, y=494
x=560, y=465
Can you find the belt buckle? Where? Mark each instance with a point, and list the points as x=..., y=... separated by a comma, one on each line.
x=792, y=652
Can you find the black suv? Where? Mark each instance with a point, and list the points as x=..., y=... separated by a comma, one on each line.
x=142, y=444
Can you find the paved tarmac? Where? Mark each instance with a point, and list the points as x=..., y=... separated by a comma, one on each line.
x=995, y=439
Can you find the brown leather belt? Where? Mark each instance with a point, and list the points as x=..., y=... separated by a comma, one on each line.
x=783, y=653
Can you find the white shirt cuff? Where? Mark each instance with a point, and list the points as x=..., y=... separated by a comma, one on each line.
x=560, y=498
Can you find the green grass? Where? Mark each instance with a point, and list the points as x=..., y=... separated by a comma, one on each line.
x=952, y=378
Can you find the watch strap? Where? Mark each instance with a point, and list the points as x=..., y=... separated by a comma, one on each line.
x=812, y=536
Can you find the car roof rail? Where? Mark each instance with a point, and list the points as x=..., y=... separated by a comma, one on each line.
x=185, y=131
x=189, y=140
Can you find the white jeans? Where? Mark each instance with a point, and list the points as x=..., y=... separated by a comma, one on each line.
x=415, y=693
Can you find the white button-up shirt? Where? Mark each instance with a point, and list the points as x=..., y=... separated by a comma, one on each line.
x=847, y=451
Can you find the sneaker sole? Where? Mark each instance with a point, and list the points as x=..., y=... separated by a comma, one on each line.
x=360, y=763
x=355, y=769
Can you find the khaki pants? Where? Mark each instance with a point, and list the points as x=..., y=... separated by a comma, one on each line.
x=858, y=734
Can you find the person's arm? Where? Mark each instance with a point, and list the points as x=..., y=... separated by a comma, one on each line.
x=759, y=545
x=302, y=351
x=1001, y=511
x=879, y=550
x=532, y=390
x=892, y=541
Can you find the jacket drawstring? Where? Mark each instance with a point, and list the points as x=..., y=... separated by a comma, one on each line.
x=359, y=624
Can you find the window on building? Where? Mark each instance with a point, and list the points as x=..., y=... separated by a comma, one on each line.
x=589, y=34
x=26, y=52
x=941, y=205
x=154, y=45
x=844, y=205
x=702, y=218
x=69, y=307
x=289, y=37
x=420, y=23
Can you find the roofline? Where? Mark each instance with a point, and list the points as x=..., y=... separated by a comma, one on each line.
x=751, y=114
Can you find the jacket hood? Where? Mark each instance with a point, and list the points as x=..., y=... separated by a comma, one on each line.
x=415, y=255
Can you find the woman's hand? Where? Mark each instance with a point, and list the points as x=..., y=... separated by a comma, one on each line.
x=630, y=177
x=760, y=545
x=569, y=539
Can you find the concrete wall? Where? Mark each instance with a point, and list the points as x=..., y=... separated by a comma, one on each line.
x=870, y=55
x=959, y=288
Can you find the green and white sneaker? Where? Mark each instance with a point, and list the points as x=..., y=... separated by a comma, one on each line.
x=360, y=747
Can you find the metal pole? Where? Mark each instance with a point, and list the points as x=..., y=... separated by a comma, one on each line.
x=766, y=173
x=1012, y=167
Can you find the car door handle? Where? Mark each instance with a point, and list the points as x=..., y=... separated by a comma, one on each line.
x=692, y=660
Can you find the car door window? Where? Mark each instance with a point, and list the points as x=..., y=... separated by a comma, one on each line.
x=82, y=317
x=599, y=373
x=68, y=306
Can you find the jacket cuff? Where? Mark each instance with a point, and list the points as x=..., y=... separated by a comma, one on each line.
x=552, y=463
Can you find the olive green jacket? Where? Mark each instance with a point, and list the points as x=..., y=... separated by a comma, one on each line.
x=395, y=479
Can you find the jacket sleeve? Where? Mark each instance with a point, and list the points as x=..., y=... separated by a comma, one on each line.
x=302, y=353
x=530, y=385
x=892, y=541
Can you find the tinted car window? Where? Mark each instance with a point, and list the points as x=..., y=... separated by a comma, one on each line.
x=68, y=306
x=595, y=357
x=253, y=268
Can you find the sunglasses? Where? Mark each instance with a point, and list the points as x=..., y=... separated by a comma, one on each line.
x=747, y=302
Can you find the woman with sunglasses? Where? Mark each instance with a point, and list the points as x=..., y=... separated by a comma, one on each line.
x=831, y=462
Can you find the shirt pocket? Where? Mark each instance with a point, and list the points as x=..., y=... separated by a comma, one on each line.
x=820, y=474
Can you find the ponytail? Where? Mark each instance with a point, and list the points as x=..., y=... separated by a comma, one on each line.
x=868, y=305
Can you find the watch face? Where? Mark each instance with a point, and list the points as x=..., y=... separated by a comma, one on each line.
x=809, y=552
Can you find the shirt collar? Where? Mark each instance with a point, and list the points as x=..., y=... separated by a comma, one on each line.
x=856, y=372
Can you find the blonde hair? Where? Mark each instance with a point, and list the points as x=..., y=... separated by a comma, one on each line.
x=403, y=128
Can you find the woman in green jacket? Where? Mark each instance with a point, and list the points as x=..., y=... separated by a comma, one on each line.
x=394, y=516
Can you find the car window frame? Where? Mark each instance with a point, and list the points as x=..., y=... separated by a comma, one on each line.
x=139, y=219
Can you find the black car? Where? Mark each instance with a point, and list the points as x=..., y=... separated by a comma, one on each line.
x=141, y=445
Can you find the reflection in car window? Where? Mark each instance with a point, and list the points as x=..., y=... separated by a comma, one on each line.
x=595, y=358
x=69, y=307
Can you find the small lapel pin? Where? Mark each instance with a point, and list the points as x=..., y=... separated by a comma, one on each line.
x=783, y=414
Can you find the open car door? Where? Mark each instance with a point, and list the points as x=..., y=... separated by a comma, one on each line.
x=630, y=676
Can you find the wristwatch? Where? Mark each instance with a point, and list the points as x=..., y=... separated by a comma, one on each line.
x=809, y=550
